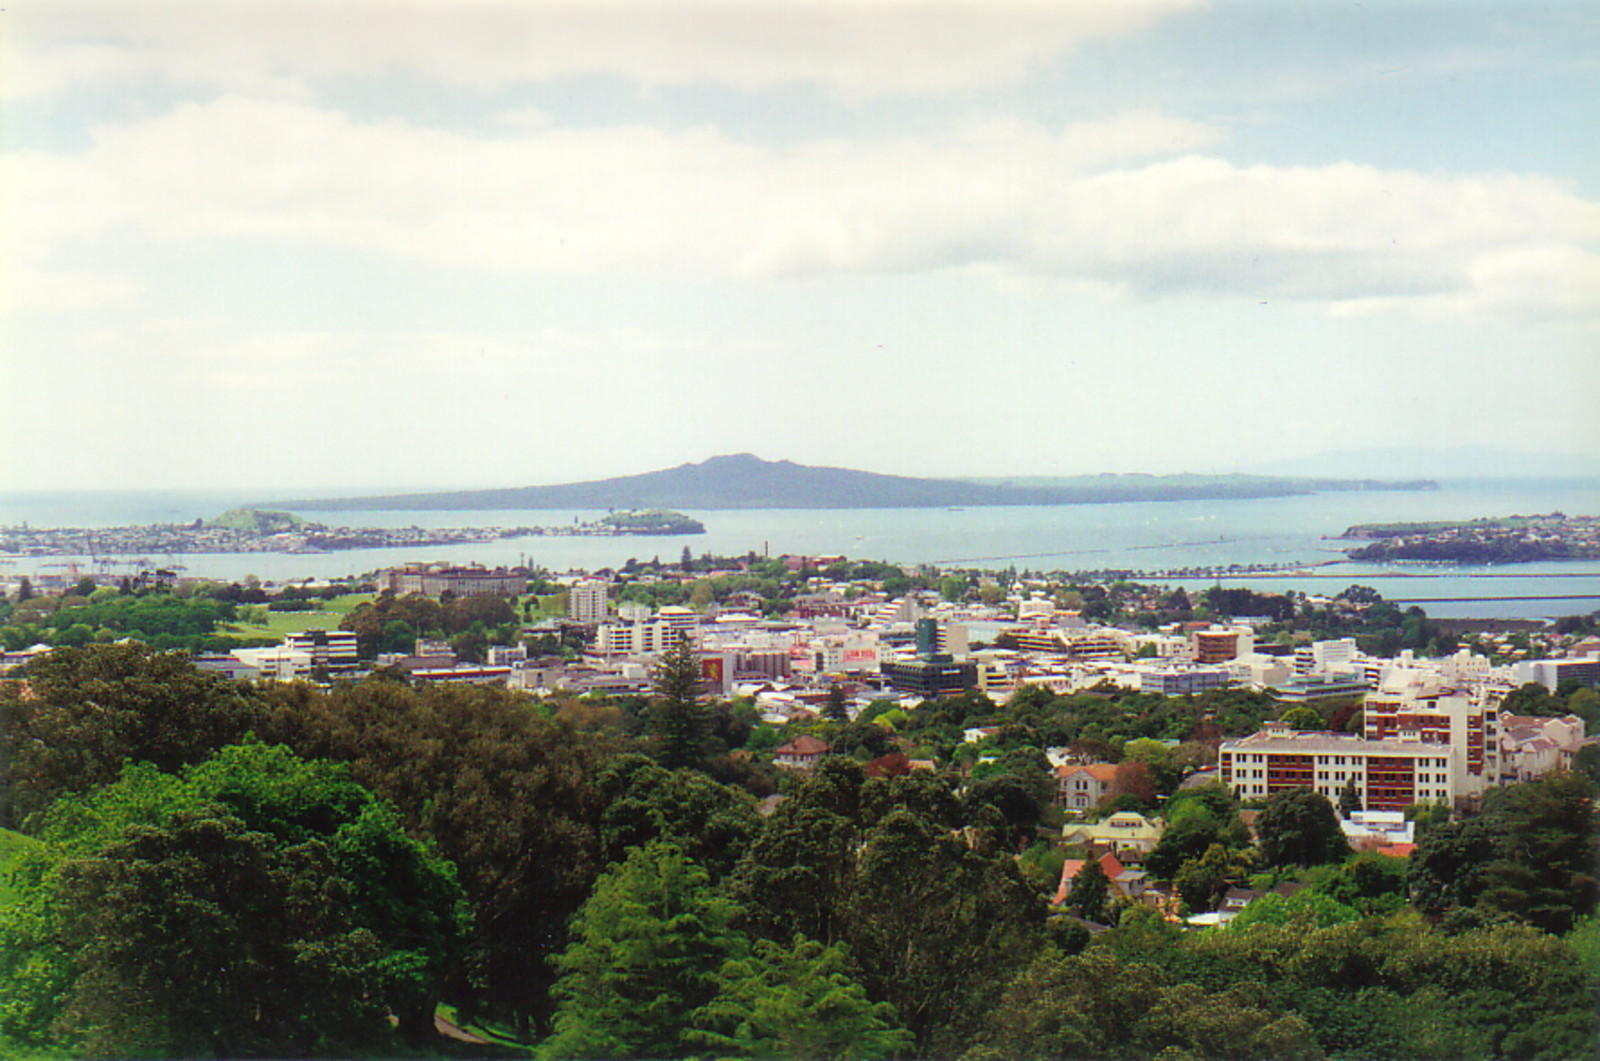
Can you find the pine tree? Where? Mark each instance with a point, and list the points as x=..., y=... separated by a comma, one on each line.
x=797, y=1001
x=835, y=710
x=679, y=721
x=648, y=952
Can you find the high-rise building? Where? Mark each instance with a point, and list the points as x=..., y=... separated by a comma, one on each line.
x=1413, y=705
x=587, y=601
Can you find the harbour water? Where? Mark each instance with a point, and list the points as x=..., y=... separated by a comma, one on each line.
x=1139, y=537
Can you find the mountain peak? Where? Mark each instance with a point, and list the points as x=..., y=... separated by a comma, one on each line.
x=732, y=460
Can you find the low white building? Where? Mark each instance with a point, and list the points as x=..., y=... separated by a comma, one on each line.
x=1367, y=829
x=277, y=663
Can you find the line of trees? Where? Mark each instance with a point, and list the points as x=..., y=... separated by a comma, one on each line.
x=211, y=868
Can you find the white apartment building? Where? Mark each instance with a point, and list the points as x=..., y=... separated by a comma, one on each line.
x=651, y=637
x=1035, y=608
x=587, y=601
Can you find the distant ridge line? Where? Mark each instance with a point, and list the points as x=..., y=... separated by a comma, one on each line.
x=745, y=481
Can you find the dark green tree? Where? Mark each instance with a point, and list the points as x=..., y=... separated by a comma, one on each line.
x=1369, y=882
x=1195, y=822
x=264, y=959
x=1090, y=888
x=710, y=822
x=799, y=874
x=679, y=722
x=1299, y=828
x=1445, y=870
x=934, y=922
x=1587, y=763
x=1349, y=799
x=86, y=712
x=506, y=793
x=1098, y=1005
x=1087, y=1005
x=1548, y=843
x=1531, y=854
x=835, y=709
x=1205, y=880
x=1020, y=785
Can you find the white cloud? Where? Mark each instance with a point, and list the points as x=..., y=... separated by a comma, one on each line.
x=1008, y=195
x=851, y=47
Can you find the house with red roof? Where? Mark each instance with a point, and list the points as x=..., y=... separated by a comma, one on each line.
x=1125, y=883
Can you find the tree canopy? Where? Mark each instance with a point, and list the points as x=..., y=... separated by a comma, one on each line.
x=85, y=712
x=253, y=905
x=1299, y=828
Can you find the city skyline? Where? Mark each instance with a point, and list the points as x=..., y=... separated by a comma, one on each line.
x=419, y=246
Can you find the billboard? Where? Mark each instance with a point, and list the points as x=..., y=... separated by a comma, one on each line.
x=711, y=672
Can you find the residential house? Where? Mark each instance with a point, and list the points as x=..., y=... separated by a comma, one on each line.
x=803, y=753
x=1125, y=883
x=1126, y=833
x=1081, y=786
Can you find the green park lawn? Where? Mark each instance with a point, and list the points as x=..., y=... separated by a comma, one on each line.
x=278, y=624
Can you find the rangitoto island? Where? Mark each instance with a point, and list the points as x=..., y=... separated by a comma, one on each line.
x=1512, y=540
x=249, y=530
x=745, y=481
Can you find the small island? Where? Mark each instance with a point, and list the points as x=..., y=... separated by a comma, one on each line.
x=1511, y=540
x=653, y=521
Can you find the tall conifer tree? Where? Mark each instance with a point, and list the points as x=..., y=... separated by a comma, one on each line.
x=679, y=721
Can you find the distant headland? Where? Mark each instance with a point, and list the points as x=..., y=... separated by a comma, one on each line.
x=745, y=481
x=1513, y=540
x=252, y=530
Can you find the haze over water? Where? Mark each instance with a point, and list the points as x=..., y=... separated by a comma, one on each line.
x=1139, y=536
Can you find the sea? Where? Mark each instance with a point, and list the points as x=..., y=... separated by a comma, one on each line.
x=1165, y=537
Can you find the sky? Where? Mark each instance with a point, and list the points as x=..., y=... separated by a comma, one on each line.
x=371, y=244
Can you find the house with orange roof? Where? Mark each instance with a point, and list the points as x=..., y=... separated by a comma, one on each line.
x=1125, y=883
x=1080, y=786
